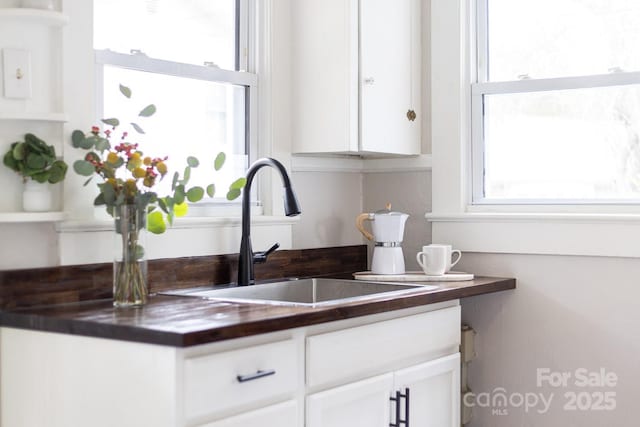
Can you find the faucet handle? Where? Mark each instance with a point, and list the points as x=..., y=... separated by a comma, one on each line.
x=261, y=257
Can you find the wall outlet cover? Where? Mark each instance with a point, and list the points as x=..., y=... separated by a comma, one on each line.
x=17, y=73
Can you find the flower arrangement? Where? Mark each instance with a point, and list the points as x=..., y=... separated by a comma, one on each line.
x=127, y=177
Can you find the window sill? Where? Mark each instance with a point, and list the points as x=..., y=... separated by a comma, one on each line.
x=91, y=241
x=75, y=226
x=576, y=234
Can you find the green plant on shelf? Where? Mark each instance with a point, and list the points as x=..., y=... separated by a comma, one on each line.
x=34, y=159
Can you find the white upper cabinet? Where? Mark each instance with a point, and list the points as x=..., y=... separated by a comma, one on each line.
x=356, y=77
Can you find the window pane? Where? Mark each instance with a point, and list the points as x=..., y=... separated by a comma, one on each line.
x=188, y=31
x=193, y=118
x=554, y=38
x=566, y=144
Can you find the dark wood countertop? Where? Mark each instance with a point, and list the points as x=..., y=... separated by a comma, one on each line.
x=187, y=321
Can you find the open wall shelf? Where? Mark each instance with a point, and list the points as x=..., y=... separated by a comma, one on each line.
x=43, y=117
x=23, y=217
x=36, y=16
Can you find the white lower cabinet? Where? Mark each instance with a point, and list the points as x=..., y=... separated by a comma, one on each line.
x=333, y=374
x=360, y=404
x=401, y=372
x=434, y=392
x=430, y=390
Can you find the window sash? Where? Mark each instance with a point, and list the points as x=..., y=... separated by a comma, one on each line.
x=480, y=87
x=245, y=64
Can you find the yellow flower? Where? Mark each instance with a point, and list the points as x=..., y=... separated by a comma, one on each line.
x=139, y=173
x=130, y=187
x=162, y=168
x=147, y=161
x=135, y=160
x=149, y=181
x=112, y=157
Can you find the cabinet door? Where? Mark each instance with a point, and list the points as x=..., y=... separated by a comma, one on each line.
x=389, y=76
x=434, y=390
x=360, y=404
x=324, y=49
x=280, y=415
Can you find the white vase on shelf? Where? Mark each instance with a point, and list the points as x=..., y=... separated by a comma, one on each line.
x=36, y=197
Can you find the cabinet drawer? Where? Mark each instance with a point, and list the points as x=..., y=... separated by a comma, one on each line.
x=350, y=354
x=280, y=415
x=253, y=375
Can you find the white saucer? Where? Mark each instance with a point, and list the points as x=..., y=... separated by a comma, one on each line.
x=414, y=276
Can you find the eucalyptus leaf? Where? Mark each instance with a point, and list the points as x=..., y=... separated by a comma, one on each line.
x=139, y=252
x=84, y=168
x=238, y=184
x=211, y=190
x=137, y=128
x=148, y=111
x=108, y=193
x=88, y=143
x=163, y=205
x=187, y=175
x=219, y=162
x=195, y=194
x=125, y=91
x=77, y=136
x=99, y=200
x=144, y=199
x=174, y=182
x=193, y=162
x=111, y=122
x=233, y=194
x=179, y=194
x=170, y=202
x=102, y=144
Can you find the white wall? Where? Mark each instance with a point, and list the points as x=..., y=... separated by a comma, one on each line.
x=330, y=202
x=567, y=313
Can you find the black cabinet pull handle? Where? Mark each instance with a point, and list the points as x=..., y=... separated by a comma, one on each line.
x=396, y=400
x=406, y=407
x=255, y=375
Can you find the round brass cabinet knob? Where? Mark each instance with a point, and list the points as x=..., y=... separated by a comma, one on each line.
x=411, y=115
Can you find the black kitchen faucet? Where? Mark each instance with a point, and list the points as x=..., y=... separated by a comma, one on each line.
x=291, y=208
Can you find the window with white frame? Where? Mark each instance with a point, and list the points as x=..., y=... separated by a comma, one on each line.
x=556, y=102
x=191, y=58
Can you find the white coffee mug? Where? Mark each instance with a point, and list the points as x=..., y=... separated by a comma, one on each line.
x=433, y=259
x=450, y=253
